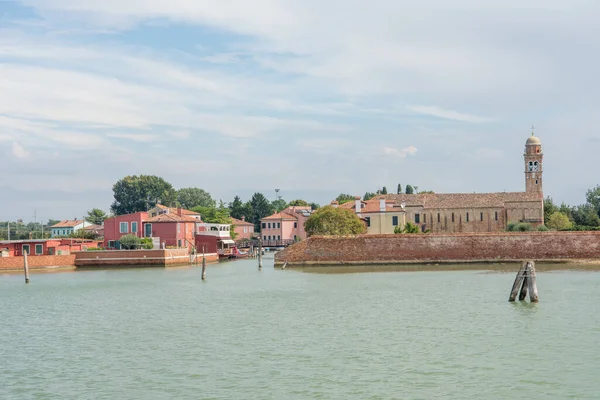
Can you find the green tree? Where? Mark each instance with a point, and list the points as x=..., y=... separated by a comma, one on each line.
x=141, y=193
x=261, y=207
x=408, y=228
x=237, y=209
x=549, y=208
x=558, y=221
x=298, y=202
x=593, y=198
x=279, y=204
x=399, y=190
x=314, y=206
x=384, y=190
x=96, y=216
x=426, y=191
x=130, y=242
x=334, y=221
x=368, y=196
x=585, y=215
x=213, y=215
x=409, y=189
x=189, y=198
x=344, y=198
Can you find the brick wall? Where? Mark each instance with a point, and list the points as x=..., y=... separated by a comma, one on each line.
x=37, y=262
x=159, y=258
x=373, y=249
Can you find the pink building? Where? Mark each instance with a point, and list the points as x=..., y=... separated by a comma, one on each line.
x=242, y=228
x=286, y=225
x=172, y=226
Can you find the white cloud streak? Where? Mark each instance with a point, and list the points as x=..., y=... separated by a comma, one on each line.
x=447, y=114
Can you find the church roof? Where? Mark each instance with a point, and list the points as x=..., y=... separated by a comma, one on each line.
x=533, y=140
x=461, y=200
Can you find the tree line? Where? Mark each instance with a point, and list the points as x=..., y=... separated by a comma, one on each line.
x=581, y=217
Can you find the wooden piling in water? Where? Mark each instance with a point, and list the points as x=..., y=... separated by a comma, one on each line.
x=26, y=267
x=527, y=280
x=203, y=264
x=259, y=254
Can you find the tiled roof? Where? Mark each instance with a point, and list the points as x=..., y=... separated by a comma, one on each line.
x=461, y=200
x=93, y=228
x=239, y=222
x=68, y=223
x=171, y=217
x=280, y=215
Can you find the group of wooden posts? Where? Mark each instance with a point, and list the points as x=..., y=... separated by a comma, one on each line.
x=254, y=252
x=526, y=279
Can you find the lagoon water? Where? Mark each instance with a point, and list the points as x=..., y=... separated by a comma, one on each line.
x=244, y=334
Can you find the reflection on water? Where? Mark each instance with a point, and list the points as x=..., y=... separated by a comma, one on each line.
x=270, y=334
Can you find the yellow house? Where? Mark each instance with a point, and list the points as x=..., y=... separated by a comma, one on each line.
x=380, y=215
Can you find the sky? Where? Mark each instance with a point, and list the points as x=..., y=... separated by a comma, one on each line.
x=312, y=97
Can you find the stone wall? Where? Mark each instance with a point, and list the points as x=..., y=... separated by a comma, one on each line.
x=428, y=248
x=107, y=258
x=36, y=262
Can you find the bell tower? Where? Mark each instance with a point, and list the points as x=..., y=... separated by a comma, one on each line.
x=533, y=164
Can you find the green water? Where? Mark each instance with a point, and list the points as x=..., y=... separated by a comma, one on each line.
x=245, y=334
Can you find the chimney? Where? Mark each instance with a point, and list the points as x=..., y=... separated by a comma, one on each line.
x=357, y=204
x=179, y=212
x=382, y=205
x=244, y=218
x=334, y=204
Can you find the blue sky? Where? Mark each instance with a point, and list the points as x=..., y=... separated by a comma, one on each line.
x=310, y=97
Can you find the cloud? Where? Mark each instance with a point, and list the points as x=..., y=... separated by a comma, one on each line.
x=136, y=137
x=446, y=114
x=400, y=153
x=19, y=151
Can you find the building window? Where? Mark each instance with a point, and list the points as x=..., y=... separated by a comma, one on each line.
x=278, y=237
x=424, y=218
x=481, y=216
x=264, y=225
x=439, y=220
x=536, y=181
x=279, y=225
x=179, y=242
x=178, y=228
x=269, y=237
x=467, y=217
x=111, y=244
x=395, y=220
x=39, y=249
x=148, y=230
x=134, y=227
x=417, y=218
x=269, y=225
x=295, y=224
x=123, y=227
x=26, y=249
x=368, y=221
x=245, y=229
x=452, y=217
x=264, y=238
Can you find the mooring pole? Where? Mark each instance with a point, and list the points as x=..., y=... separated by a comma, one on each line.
x=533, y=293
x=26, y=267
x=259, y=253
x=524, y=286
x=203, y=264
x=520, y=276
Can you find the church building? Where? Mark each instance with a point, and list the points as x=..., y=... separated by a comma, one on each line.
x=461, y=212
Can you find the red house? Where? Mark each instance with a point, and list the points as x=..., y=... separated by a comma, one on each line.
x=169, y=226
x=44, y=247
x=242, y=228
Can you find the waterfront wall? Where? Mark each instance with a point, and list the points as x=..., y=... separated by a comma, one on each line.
x=36, y=262
x=158, y=258
x=435, y=248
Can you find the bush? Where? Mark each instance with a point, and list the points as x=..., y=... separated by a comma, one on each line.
x=147, y=243
x=543, y=228
x=519, y=227
x=94, y=249
x=130, y=242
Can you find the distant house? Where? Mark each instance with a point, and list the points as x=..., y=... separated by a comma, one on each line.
x=380, y=215
x=68, y=227
x=242, y=228
x=285, y=225
x=44, y=247
x=97, y=230
x=172, y=226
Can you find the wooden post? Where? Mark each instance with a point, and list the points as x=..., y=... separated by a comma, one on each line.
x=26, y=267
x=524, y=287
x=259, y=253
x=203, y=264
x=533, y=293
x=518, y=280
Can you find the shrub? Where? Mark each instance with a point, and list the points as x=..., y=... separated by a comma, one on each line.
x=524, y=227
x=511, y=227
x=130, y=242
x=94, y=249
x=147, y=243
x=543, y=228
